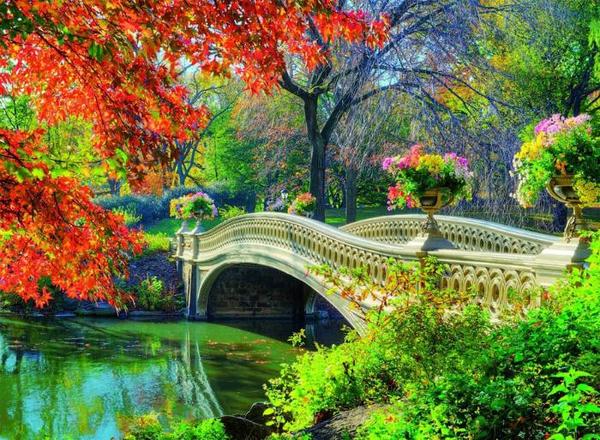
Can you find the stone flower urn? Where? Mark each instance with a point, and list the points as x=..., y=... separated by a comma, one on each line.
x=570, y=251
x=198, y=228
x=561, y=188
x=431, y=238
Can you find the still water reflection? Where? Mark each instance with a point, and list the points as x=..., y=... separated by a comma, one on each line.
x=84, y=378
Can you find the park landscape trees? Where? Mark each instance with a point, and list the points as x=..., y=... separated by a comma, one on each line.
x=307, y=95
x=107, y=92
x=115, y=65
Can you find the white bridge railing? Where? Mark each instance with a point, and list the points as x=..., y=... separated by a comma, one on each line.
x=492, y=259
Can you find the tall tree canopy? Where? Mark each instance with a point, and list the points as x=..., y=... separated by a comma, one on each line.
x=431, y=47
x=114, y=64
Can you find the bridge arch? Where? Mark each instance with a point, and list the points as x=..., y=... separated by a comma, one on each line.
x=266, y=258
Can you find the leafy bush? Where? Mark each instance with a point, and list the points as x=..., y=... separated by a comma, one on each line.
x=148, y=427
x=130, y=216
x=410, y=345
x=152, y=208
x=159, y=242
x=152, y=296
x=228, y=212
x=445, y=371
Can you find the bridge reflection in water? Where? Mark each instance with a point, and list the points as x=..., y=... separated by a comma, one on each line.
x=492, y=259
x=85, y=378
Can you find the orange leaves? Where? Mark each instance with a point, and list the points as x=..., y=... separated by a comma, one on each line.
x=52, y=230
x=115, y=64
x=56, y=232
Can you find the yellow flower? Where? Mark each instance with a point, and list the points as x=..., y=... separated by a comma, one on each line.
x=431, y=162
x=588, y=192
x=532, y=149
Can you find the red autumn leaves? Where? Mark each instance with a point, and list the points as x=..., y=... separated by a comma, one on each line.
x=115, y=64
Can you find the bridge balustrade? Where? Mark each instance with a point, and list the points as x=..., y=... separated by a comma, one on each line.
x=494, y=260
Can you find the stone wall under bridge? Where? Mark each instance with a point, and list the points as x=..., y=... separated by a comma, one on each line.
x=252, y=291
x=494, y=260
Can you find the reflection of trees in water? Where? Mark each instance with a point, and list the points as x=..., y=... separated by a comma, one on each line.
x=193, y=386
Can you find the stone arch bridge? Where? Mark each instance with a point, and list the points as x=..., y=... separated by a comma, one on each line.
x=492, y=259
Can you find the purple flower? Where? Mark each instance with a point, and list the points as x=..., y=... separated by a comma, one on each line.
x=463, y=162
x=387, y=162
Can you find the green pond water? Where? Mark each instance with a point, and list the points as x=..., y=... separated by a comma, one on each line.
x=85, y=378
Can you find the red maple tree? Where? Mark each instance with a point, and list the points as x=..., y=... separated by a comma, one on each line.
x=114, y=63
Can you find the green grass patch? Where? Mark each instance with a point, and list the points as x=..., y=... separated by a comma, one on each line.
x=159, y=234
x=337, y=217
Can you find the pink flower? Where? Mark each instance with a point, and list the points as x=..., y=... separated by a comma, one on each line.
x=450, y=156
x=403, y=163
x=551, y=125
x=414, y=154
x=387, y=162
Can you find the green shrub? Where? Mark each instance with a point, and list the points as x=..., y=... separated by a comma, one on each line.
x=148, y=427
x=211, y=429
x=152, y=296
x=129, y=214
x=228, y=212
x=412, y=344
x=444, y=371
x=158, y=242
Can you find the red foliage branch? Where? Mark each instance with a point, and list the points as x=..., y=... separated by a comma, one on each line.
x=115, y=63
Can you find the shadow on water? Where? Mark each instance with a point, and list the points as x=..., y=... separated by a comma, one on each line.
x=84, y=378
x=325, y=332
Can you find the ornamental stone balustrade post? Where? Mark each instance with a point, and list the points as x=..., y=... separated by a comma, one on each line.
x=565, y=254
x=193, y=291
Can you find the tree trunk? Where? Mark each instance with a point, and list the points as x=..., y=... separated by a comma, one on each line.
x=351, y=190
x=317, y=159
x=114, y=186
x=181, y=174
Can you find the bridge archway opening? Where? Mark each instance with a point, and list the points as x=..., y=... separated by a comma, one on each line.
x=243, y=291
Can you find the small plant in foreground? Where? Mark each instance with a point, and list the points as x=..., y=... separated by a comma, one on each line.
x=148, y=427
x=575, y=406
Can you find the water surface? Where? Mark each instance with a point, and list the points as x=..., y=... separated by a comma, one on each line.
x=84, y=378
